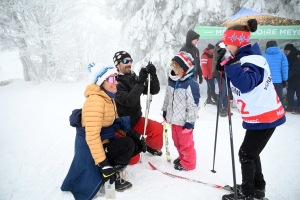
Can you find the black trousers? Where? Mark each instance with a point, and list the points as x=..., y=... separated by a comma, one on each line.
x=120, y=151
x=253, y=144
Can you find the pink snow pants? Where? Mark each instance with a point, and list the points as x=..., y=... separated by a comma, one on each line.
x=185, y=146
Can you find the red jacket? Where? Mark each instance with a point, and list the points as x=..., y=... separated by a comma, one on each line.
x=207, y=62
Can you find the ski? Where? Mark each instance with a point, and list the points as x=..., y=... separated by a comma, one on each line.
x=166, y=141
x=187, y=179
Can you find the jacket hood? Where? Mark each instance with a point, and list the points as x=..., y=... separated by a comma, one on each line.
x=248, y=50
x=208, y=52
x=190, y=36
x=94, y=89
x=273, y=50
x=75, y=118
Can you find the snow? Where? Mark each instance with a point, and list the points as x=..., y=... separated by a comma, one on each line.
x=37, y=146
x=10, y=66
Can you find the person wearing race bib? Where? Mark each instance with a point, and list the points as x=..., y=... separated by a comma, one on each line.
x=257, y=101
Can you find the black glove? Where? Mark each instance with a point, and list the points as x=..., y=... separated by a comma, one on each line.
x=283, y=84
x=235, y=60
x=221, y=52
x=151, y=69
x=142, y=144
x=143, y=75
x=225, y=57
x=107, y=171
x=141, y=140
x=200, y=79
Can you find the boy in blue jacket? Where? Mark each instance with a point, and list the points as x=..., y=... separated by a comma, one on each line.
x=279, y=67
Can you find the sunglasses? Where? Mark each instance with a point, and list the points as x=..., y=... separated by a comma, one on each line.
x=124, y=61
x=111, y=79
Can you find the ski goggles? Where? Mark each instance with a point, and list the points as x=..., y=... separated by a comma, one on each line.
x=111, y=79
x=124, y=61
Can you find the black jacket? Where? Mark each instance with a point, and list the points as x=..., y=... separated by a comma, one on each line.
x=294, y=67
x=128, y=96
x=194, y=51
x=215, y=72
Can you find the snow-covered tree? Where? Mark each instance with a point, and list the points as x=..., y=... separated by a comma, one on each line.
x=156, y=29
x=55, y=39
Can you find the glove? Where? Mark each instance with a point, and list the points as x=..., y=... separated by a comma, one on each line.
x=142, y=144
x=107, y=171
x=165, y=115
x=188, y=125
x=143, y=75
x=283, y=84
x=151, y=69
x=224, y=56
x=235, y=60
x=141, y=140
x=200, y=79
x=221, y=52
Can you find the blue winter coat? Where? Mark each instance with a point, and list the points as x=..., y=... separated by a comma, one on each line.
x=278, y=64
x=84, y=178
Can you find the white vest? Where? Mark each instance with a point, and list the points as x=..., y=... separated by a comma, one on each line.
x=260, y=105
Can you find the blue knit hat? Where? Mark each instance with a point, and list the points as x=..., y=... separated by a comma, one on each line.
x=98, y=73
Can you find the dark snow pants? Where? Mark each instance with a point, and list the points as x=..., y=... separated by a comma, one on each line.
x=120, y=151
x=253, y=144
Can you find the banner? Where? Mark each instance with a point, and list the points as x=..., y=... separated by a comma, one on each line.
x=262, y=32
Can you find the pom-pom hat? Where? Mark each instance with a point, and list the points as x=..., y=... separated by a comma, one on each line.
x=98, y=73
x=185, y=60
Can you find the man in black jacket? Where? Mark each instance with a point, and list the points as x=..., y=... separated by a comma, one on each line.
x=190, y=46
x=293, y=56
x=130, y=88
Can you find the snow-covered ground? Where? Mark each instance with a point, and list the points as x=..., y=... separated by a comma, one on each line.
x=10, y=66
x=37, y=147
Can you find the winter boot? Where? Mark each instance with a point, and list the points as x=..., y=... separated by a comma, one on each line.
x=154, y=151
x=289, y=109
x=239, y=197
x=209, y=101
x=259, y=194
x=224, y=112
x=121, y=184
x=176, y=161
x=214, y=96
x=179, y=167
x=297, y=111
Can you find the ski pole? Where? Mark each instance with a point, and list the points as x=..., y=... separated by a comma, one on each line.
x=147, y=105
x=217, y=122
x=231, y=137
x=149, y=98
